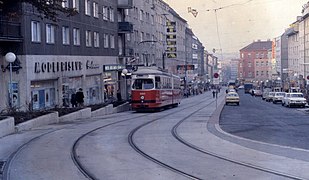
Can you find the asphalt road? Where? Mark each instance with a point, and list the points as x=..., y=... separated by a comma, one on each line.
x=259, y=120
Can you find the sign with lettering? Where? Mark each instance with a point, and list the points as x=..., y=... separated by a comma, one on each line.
x=171, y=39
x=53, y=67
x=171, y=55
x=91, y=65
x=113, y=67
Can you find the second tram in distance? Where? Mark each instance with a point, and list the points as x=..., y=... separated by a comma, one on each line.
x=153, y=89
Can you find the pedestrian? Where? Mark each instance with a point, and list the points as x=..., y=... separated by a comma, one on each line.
x=118, y=95
x=217, y=93
x=213, y=94
x=73, y=100
x=80, y=97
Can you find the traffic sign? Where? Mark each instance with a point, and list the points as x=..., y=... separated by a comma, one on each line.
x=216, y=75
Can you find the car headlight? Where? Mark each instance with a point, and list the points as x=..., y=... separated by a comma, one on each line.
x=142, y=97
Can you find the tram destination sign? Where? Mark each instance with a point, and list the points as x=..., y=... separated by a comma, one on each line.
x=113, y=67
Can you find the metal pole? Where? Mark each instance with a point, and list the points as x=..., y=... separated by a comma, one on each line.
x=125, y=87
x=11, y=87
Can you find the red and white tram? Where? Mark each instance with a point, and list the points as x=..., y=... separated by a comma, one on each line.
x=153, y=89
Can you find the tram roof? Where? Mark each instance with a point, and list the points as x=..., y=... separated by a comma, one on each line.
x=151, y=71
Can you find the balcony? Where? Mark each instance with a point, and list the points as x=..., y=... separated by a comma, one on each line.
x=10, y=31
x=125, y=27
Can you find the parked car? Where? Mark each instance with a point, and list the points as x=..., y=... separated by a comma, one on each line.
x=294, y=99
x=269, y=96
x=232, y=97
x=278, y=97
x=258, y=92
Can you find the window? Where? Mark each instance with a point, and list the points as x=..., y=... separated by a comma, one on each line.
x=65, y=3
x=105, y=13
x=141, y=12
x=128, y=36
x=95, y=10
x=250, y=74
x=65, y=35
x=257, y=63
x=105, y=37
x=96, y=38
x=76, y=36
x=111, y=15
x=75, y=4
x=257, y=73
x=87, y=7
x=88, y=39
x=141, y=36
x=249, y=64
x=143, y=84
x=35, y=31
x=112, y=37
x=50, y=34
x=152, y=19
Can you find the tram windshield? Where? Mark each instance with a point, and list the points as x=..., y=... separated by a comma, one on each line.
x=143, y=84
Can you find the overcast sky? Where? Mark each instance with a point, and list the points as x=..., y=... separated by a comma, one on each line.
x=239, y=25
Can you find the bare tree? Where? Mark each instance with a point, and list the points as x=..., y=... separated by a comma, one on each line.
x=49, y=9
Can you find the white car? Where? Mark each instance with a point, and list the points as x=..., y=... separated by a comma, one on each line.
x=294, y=99
x=269, y=96
x=278, y=97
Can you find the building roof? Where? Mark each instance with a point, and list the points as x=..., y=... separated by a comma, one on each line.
x=290, y=31
x=175, y=14
x=258, y=45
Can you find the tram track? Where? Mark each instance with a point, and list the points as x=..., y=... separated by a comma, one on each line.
x=199, y=149
x=91, y=176
x=147, y=156
x=10, y=160
x=213, y=154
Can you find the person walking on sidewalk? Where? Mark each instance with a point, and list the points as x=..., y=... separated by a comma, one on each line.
x=80, y=97
x=213, y=94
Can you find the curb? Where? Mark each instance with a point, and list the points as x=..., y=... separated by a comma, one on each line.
x=7, y=126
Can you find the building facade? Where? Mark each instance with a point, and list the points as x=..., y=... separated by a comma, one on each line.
x=254, y=53
x=55, y=59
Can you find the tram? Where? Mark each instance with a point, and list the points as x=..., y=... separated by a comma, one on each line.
x=154, y=89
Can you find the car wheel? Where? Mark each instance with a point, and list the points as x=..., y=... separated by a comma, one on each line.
x=238, y=104
x=282, y=104
x=226, y=103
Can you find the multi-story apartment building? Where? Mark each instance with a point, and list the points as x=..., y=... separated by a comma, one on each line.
x=234, y=69
x=294, y=67
x=147, y=42
x=304, y=47
x=254, y=53
x=58, y=58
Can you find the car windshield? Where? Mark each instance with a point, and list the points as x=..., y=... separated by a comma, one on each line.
x=297, y=95
x=232, y=95
x=280, y=94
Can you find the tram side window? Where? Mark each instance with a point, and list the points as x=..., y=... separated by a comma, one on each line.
x=158, y=82
x=143, y=84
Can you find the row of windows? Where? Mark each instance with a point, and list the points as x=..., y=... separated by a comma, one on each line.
x=261, y=73
x=257, y=55
x=261, y=63
x=91, y=38
x=91, y=9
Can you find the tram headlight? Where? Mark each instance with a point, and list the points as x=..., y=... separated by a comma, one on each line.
x=142, y=97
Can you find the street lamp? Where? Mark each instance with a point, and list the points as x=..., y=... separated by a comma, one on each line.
x=10, y=58
x=125, y=72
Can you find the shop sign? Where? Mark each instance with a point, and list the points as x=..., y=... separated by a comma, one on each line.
x=47, y=67
x=113, y=67
x=91, y=65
